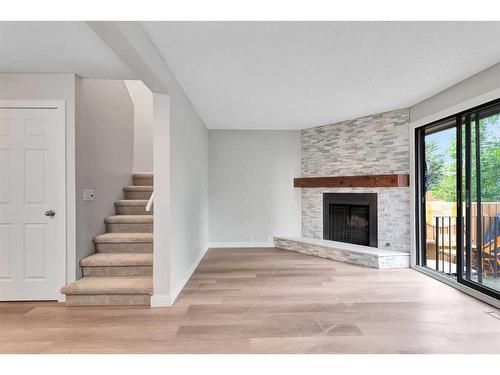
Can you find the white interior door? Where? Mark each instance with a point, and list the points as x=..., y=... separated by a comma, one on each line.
x=32, y=185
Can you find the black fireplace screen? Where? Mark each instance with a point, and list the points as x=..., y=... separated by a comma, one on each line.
x=350, y=223
x=351, y=218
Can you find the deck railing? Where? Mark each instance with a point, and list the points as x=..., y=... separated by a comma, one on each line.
x=441, y=250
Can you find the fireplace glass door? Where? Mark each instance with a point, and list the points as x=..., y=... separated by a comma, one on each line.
x=350, y=223
x=350, y=218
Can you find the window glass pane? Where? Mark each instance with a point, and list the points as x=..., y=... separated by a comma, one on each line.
x=486, y=229
x=440, y=198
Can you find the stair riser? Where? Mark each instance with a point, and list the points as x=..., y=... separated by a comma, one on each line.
x=123, y=247
x=118, y=271
x=108, y=300
x=137, y=194
x=133, y=210
x=129, y=228
x=140, y=181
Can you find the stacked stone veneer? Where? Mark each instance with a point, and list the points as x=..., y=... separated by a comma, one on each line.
x=348, y=254
x=376, y=144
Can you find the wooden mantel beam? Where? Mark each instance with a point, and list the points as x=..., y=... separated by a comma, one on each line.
x=380, y=180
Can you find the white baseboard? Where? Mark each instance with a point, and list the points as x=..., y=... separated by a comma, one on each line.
x=242, y=245
x=160, y=300
x=178, y=288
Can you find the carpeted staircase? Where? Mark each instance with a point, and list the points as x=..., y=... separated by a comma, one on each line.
x=120, y=272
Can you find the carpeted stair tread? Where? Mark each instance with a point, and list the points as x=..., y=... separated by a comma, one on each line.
x=117, y=260
x=138, y=188
x=143, y=179
x=129, y=219
x=124, y=238
x=132, y=202
x=110, y=285
x=142, y=175
x=141, y=190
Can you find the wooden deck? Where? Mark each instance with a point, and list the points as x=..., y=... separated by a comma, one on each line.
x=268, y=301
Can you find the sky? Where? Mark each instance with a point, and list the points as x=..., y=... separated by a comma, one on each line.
x=444, y=138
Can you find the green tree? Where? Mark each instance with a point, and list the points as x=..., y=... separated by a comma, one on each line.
x=490, y=159
x=434, y=163
x=443, y=186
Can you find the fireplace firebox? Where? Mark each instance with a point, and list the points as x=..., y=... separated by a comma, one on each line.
x=351, y=218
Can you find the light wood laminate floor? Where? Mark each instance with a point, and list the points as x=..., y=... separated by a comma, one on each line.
x=268, y=301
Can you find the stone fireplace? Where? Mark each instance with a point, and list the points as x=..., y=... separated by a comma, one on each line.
x=393, y=214
x=370, y=145
x=375, y=233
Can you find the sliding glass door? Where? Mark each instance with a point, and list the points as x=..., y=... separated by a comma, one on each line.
x=481, y=187
x=458, y=197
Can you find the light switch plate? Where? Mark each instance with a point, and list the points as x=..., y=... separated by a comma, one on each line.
x=88, y=194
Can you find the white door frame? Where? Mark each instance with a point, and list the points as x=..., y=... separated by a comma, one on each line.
x=66, y=241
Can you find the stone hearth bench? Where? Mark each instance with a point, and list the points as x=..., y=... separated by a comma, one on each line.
x=354, y=254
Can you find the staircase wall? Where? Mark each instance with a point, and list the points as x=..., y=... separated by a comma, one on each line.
x=142, y=100
x=188, y=191
x=104, y=154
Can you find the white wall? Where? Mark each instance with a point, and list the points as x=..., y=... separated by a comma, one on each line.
x=188, y=191
x=52, y=87
x=161, y=164
x=251, y=193
x=142, y=99
x=104, y=154
x=458, y=95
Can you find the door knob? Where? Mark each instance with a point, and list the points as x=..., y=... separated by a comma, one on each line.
x=50, y=213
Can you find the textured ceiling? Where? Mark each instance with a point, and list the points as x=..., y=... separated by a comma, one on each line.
x=293, y=75
x=58, y=47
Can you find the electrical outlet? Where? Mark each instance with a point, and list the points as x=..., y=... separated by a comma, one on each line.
x=88, y=194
